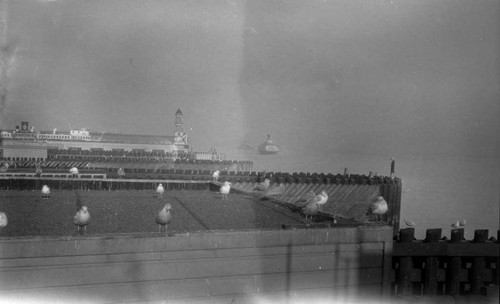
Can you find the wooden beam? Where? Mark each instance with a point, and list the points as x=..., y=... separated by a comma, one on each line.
x=465, y=249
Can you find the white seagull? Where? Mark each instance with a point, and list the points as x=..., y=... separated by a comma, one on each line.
x=379, y=207
x=215, y=176
x=160, y=190
x=82, y=218
x=313, y=205
x=45, y=192
x=225, y=189
x=73, y=171
x=264, y=186
x=164, y=217
x=4, y=168
x=3, y=220
x=458, y=224
x=121, y=173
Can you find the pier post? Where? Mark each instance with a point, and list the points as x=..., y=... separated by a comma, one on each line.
x=454, y=265
x=405, y=286
x=431, y=263
x=478, y=264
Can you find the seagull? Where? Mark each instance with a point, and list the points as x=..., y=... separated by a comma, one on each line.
x=215, y=176
x=458, y=224
x=164, y=217
x=225, y=189
x=4, y=168
x=121, y=173
x=262, y=186
x=73, y=171
x=45, y=192
x=379, y=207
x=160, y=190
x=313, y=205
x=3, y=220
x=82, y=218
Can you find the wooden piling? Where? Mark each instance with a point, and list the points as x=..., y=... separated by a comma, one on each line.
x=454, y=265
x=405, y=264
x=478, y=264
x=431, y=264
x=458, y=265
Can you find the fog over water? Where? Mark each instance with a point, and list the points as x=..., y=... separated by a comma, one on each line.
x=337, y=83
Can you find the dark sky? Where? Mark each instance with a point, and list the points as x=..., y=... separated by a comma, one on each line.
x=342, y=75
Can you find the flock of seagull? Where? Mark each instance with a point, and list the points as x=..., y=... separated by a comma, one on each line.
x=311, y=208
x=82, y=217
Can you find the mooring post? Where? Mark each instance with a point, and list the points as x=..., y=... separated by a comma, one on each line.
x=431, y=263
x=405, y=286
x=454, y=265
x=478, y=264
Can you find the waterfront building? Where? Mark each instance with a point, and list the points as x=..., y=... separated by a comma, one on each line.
x=24, y=143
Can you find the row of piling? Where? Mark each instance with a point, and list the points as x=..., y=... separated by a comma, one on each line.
x=441, y=266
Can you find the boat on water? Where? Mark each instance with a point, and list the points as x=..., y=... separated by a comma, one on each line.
x=269, y=147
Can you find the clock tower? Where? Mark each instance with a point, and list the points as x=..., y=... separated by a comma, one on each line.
x=180, y=136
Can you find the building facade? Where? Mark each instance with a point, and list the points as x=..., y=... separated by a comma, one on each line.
x=23, y=143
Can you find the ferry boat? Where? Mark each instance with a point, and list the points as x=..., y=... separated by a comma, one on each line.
x=269, y=147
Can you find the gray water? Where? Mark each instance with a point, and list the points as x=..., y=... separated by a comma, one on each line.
x=437, y=190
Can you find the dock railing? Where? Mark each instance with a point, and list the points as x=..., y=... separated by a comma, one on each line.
x=442, y=266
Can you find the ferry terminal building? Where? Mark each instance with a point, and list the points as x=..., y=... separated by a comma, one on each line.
x=23, y=143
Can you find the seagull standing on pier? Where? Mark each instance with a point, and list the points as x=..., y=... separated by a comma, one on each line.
x=3, y=220
x=74, y=171
x=458, y=224
x=379, y=207
x=264, y=186
x=164, y=217
x=45, y=192
x=4, y=168
x=160, y=190
x=215, y=176
x=313, y=205
x=225, y=189
x=82, y=218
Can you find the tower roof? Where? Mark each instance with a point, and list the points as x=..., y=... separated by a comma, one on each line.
x=179, y=112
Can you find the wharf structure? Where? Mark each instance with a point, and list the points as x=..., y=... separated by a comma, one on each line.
x=24, y=143
x=254, y=247
x=23, y=147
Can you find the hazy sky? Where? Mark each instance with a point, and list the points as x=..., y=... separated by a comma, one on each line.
x=342, y=75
